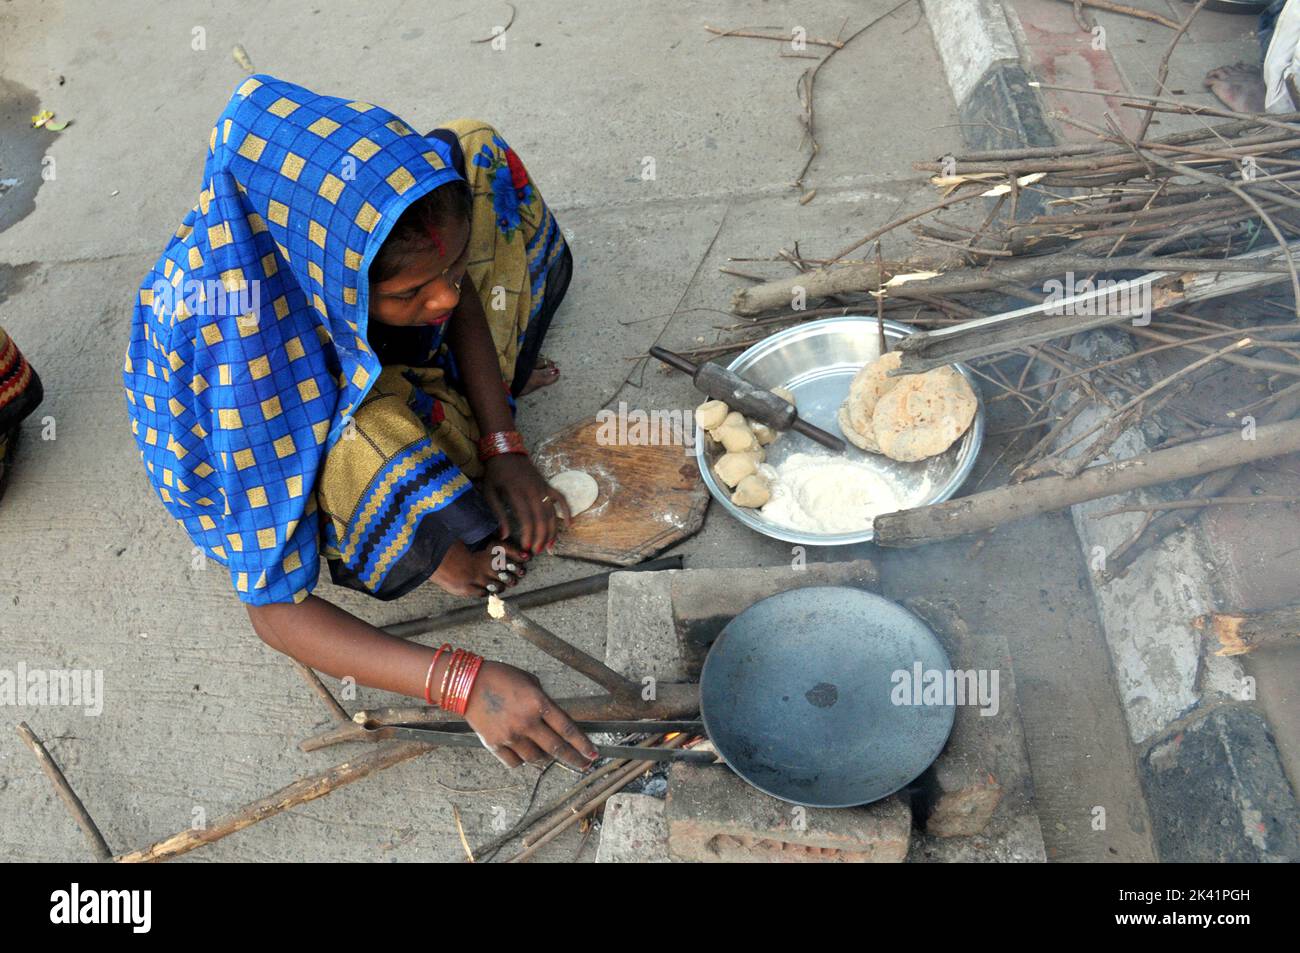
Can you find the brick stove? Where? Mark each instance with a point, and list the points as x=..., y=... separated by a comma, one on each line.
x=974, y=804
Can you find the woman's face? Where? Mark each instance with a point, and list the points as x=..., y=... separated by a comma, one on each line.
x=427, y=289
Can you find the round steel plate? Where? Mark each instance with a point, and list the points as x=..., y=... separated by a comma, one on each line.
x=817, y=361
x=797, y=694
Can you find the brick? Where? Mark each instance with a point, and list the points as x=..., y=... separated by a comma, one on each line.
x=660, y=624
x=712, y=593
x=960, y=797
x=985, y=759
x=633, y=831
x=705, y=600
x=640, y=639
x=1008, y=839
x=714, y=816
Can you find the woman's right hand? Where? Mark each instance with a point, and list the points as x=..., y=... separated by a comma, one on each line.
x=466, y=573
x=518, y=722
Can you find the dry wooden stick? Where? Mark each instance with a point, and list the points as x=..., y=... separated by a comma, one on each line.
x=882, y=343
x=1117, y=425
x=1175, y=105
x=970, y=514
x=593, y=668
x=557, y=827
x=1071, y=466
x=736, y=273
x=998, y=459
x=1280, y=343
x=988, y=252
x=1223, y=131
x=98, y=846
x=1183, y=169
x=489, y=39
x=1162, y=72
x=1039, y=450
x=1159, y=527
x=793, y=316
x=828, y=280
x=953, y=199
x=337, y=711
x=583, y=809
x=1153, y=349
x=460, y=829
x=1197, y=503
x=1010, y=391
x=558, y=817
x=291, y=795
x=780, y=38
x=485, y=851
x=1127, y=11
x=1238, y=412
x=1080, y=18
x=1241, y=360
x=1141, y=147
x=1239, y=633
x=808, y=82
x=672, y=700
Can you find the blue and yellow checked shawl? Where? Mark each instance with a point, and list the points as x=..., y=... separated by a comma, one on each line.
x=248, y=350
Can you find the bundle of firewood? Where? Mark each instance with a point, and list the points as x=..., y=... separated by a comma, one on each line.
x=1182, y=202
x=1194, y=215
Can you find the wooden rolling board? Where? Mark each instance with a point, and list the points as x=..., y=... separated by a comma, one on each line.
x=650, y=496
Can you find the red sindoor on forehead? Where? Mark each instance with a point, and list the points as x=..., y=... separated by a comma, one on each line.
x=437, y=242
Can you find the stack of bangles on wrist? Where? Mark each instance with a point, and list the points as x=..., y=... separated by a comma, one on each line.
x=457, y=681
x=499, y=442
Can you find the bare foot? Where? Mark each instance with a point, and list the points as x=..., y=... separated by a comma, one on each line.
x=1240, y=87
x=545, y=374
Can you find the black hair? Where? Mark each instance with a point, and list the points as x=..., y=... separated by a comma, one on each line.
x=411, y=236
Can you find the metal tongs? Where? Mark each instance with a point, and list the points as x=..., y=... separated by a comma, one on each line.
x=461, y=735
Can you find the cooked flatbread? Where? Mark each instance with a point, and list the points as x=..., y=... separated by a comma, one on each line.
x=868, y=386
x=923, y=414
x=866, y=441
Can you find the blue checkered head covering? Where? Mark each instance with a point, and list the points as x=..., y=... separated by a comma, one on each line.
x=248, y=349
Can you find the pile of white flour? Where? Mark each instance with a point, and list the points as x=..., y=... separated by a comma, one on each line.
x=818, y=493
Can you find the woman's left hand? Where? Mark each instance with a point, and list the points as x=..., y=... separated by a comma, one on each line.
x=512, y=478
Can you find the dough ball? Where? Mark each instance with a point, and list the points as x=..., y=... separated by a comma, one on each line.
x=731, y=468
x=866, y=441
x=735, y=435
x=711, y=414
x=924, y=414
x=868, y=386
x=784, y=393
x=763, y=433
x=753, y=491
x=578, y=489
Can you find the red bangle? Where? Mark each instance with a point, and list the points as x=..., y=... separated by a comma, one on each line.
x=457, y=698
x=458, y=684
x=500, y=441
x=428, y=679
x=456, y=656
x=467, y=683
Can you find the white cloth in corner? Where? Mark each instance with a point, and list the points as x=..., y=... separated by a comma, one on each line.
x=1282, y=60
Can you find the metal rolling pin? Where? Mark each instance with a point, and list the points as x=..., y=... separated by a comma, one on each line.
x=754, y=402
